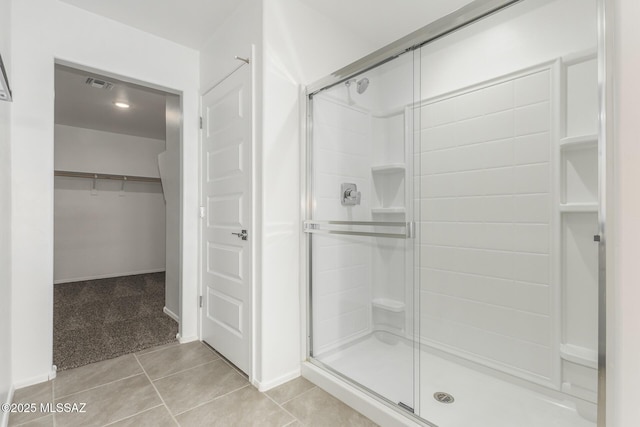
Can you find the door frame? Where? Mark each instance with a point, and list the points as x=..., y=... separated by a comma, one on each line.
x=181, y=197
x=254, y=226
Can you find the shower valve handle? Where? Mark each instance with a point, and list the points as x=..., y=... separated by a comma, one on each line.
x=352, y=195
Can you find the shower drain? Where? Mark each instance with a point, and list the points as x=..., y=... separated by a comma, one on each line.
x=443, y=397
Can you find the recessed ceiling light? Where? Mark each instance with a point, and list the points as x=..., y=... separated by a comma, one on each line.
x=121, y=104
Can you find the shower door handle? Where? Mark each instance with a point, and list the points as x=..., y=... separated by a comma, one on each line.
x=243, y=234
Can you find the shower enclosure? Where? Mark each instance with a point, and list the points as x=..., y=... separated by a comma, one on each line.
x=452, y=208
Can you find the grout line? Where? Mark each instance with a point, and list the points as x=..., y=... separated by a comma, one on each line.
x=101, y=385
x=491, y=250
x=231, y=365
x=157, y=392
x=181, y=371
x=216, y=398
x=488, y=304
x=284, y=409
x=53, y=397
x=301, y=394
x=295, y=397
x=131, y=416
x=175, y=343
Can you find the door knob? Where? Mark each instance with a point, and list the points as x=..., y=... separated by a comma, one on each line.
x=243, y=234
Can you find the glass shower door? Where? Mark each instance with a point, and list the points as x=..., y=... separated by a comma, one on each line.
x=360, y=230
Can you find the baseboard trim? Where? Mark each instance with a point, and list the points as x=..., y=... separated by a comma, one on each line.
x=32, y=381
x=171, y=314
x=107, y=276
x=184, y=340
x=268, y=385
x=4, y=421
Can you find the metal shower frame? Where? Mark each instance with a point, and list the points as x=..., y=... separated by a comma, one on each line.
x=467, y=15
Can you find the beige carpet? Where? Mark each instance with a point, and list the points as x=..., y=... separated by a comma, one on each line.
x=101, y=319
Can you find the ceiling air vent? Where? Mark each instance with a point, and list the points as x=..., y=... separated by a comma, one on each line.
x=100, y=84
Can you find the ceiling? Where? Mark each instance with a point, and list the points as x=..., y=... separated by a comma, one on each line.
x=187, y=22
x=384, y=21
x=191, y=23
x=80, y=105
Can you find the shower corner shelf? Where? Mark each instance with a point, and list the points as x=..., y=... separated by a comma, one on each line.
x=388, y=304
x=579, y=355
x=391, y=210
x=579, y=207
x=388, y=168
x=579, y=141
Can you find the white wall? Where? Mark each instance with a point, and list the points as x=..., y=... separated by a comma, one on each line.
x=88, y=150
x=235, y=37
x=5, y=214
x=42, y=31
x=300, y=46
x=624, y=341
x=109, y=232
x=508, y=42
x=171, y=188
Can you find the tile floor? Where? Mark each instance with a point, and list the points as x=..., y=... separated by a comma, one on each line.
x=178, y=385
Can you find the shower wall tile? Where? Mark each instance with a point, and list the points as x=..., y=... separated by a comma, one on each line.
x=532, y=89
x=344, y=302
x=532, y=179
x=532, y=119
x=499, y=209
x=496, y=350
x=335, y=331
x=485, y=224
x=506, y=321
x=532, y=208
x=341, y=279
x=528, y=297
x=534, y=148
x=439, y=114
x=485, y=101
x=485, y=128
x=341, y=276
x=439, y=137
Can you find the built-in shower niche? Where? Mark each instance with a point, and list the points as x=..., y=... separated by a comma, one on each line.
x=578, y=191
x=388, y=169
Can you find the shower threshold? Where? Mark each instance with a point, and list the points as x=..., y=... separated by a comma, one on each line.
x=385, y=366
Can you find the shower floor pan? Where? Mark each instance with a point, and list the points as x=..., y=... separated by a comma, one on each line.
x=384, y=364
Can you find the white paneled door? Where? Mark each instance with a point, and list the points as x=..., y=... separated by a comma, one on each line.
x=226, y=229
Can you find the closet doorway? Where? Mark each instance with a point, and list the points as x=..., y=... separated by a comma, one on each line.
x=116, y=217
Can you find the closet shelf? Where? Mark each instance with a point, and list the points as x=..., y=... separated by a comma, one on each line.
x=397, y=210
x=579, y=355
x=579, y=207
x=582, y=141
x=388, y=304
x=89, y=175
x=389, y=168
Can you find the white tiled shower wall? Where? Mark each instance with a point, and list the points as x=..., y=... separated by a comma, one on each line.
x=486, y=278
x=341, y=266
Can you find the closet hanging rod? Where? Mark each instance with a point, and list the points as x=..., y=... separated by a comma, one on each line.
x=90, y=175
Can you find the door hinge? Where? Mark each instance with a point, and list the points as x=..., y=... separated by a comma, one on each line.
x=202, y=212
x=200, y=303
x=200, y=122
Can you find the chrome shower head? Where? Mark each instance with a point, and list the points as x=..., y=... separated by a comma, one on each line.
x=362, y=85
